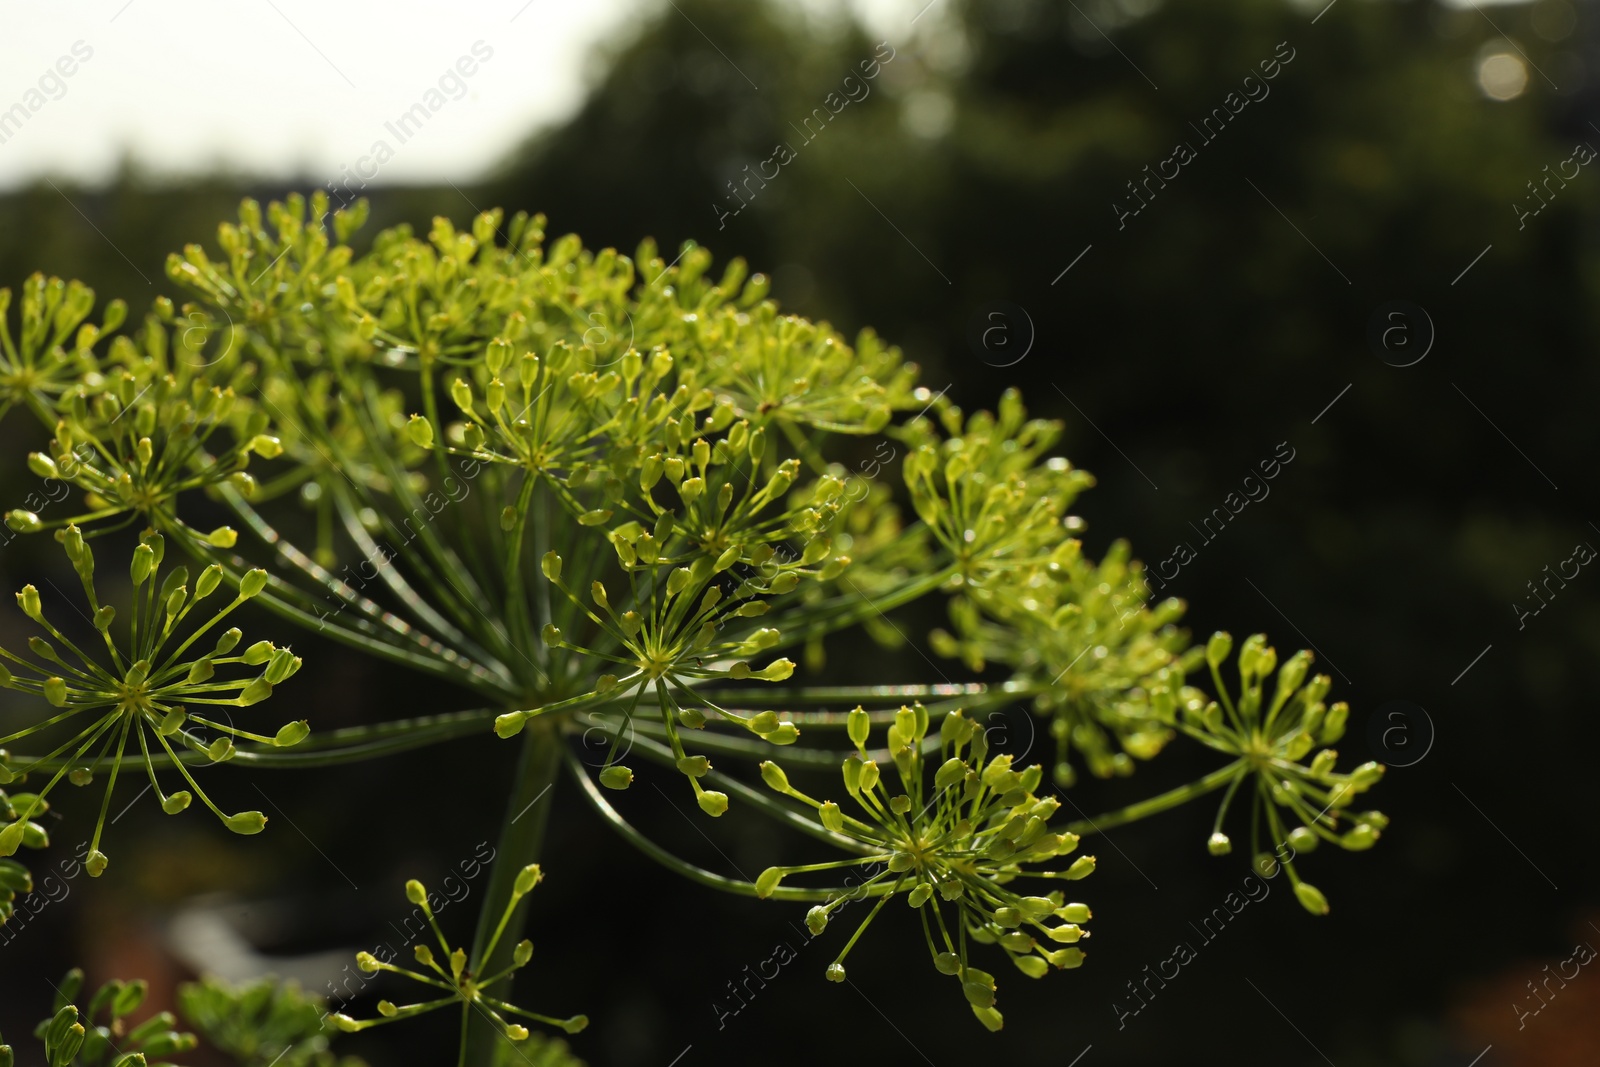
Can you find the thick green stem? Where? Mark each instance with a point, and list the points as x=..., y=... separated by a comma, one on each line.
x=521, y=838
x=1172, y=798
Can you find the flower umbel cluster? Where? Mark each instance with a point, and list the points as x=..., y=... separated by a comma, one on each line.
x=459, y=983
x=73, y=1038
x=1272, y=738
x=141, y=690
x=962, y=842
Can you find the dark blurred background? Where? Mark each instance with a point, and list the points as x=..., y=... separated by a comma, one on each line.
x=970, y=209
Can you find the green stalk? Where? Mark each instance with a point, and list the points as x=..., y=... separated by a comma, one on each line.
x=521, y=839
x=1172, y=798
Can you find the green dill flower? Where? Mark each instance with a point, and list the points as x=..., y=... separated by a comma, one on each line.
x=153, y=423
x=1299, y=803
x=1083, y=639
x=36, y=364
x=139, y=692
x=459, y=983
x=961, y=842
x=72, y=1038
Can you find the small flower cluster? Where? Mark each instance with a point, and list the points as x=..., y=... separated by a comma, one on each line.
x=139, y=691
x=979, y=829
x=72, y=1038
x=1271, y=739
x=1080, y=637
x=460, y=984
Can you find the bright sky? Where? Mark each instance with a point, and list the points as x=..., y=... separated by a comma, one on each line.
x=286, y=88
x=295, y=89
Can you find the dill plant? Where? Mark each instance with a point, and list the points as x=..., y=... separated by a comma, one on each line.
x=603, y=495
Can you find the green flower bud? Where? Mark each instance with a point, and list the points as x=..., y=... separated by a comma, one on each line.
x=712, y=802
x=55, y=691
x=95, y=863
x=282, y=665
x=420, y=430
x=773, y=775
x=510, y=724
x=246, y=822
x=28, y=601
x=832, y=818
x=767, y=881
x=787, y=733
x=1311, y=898
x=1074, y=913
x=551, y=634
x=367, y=962
x=252, y=583
x=616, y=777
x=23, y=521
x=291, y=734
x=527, y=878
x=1359, y=839
x=521, y=955
x=228, y=641
x=835, y=972
x=551, y=565
x=43, y=465
x=777, y=671
x=695, y=766
x=177, y=802
x=1219, y=844
x=1082, y=867
x=576, y=1024
x=254, y=693
x=693, y=718
x=417, y=894
x=919, y=896
x=1333, y=723
x=817, y=919
x=461, y=393
x=1366, y=776
x=1218, y=647
x=859, y=725
x=344, y=1022
x=265, y=446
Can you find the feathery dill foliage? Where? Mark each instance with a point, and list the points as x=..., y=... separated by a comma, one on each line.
x=611, y=499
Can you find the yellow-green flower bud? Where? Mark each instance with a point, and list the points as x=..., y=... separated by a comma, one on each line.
x=246, y=822
x=712, y=802
x=1219, y=844
x=767, y=881
x=616, y=777
x=835, y=972
x=527, y=878
x=773, y=775
x=291, y=734
x=1311, y=898
x=420, y=430
x=1081, y=867
x=252, y=583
